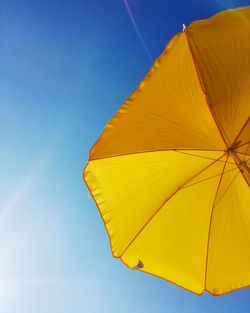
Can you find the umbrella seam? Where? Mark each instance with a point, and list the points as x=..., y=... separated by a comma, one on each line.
x=152, y=151
x=210, y=224
x=219, y=127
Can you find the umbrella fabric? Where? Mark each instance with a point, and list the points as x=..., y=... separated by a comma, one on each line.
x=170, y=173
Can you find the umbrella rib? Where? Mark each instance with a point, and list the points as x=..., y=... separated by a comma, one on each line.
x=240, y=132
x=170, y=197
x=216, y=120
x=149, y=151
x=243, y=144
x=246, y=153
x=205, y=179
x=227, y=188
x=200, y=156
x=210, y=223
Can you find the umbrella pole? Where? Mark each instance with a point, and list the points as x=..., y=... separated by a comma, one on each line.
x=241, y=163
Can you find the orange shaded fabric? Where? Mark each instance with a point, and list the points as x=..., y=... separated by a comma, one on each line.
x=220, y=46
x=168, y=110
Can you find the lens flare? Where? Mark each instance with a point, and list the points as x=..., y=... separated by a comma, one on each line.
x=137, y=30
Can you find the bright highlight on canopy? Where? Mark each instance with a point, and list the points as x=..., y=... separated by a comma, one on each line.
x=170, y=173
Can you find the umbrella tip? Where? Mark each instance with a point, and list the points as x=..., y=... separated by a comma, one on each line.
x=138, y=265
x=183, y=27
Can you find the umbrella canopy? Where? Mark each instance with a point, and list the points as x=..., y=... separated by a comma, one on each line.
x=170, y=173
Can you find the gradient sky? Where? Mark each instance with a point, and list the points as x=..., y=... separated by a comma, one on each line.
x=66, y=67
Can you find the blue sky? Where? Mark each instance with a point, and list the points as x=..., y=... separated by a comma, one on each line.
x=66, y=67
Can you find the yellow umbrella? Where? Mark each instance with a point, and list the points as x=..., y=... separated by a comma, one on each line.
x=170, y=173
